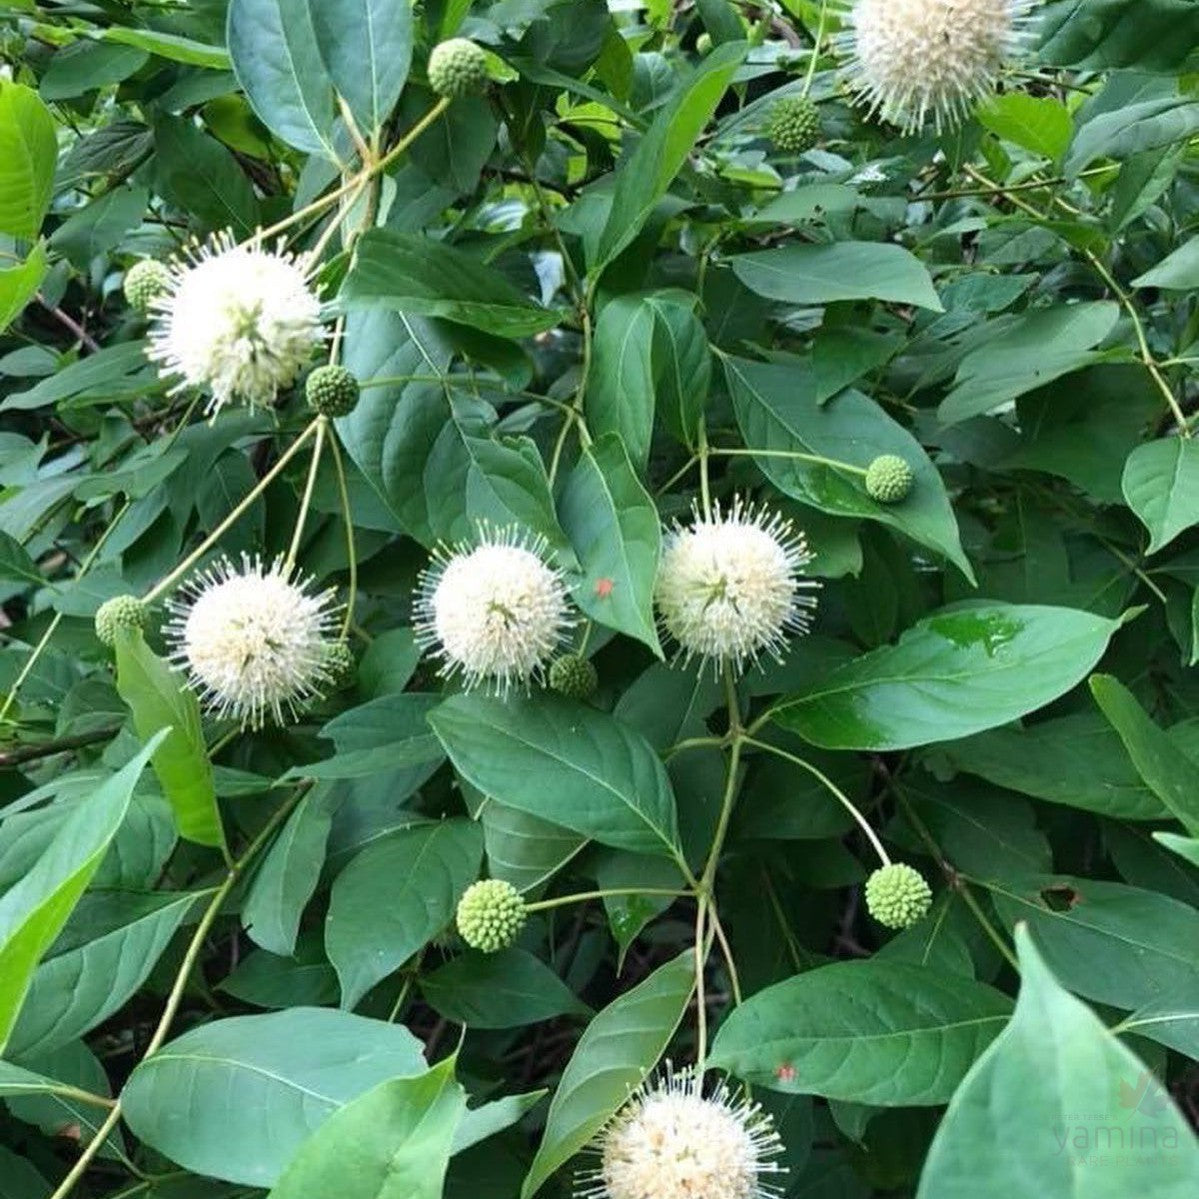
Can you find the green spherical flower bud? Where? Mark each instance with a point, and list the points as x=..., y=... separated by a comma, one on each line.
x=703, y=43
x=145, y=281
x=889, y=479
x=794, y=124
x=121, y=612
x=457, y=68
x=897, y=895
x=574, y=676
x=340, y=666
x=331, y=391
x=491, y=914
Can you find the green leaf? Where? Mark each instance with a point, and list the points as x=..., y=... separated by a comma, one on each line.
x=615, y=1053
x=563, y=762
x=108, y=949
x=15, y=563
x=1142, y=35
x=1185, y=847
x=1110, y=942
x=1036, y=348
x=522, y=849
x=1074, y=760
x=1161, y=485
x=646, y=173
x=278, y=63
x=620, y=395
x=98, y=227
x=394, y=897
x=159, y=699
x=1166, y=770
x=289, y=874
x=507, y=989
x=1058, y=1094
x=19, y=284
x=779, y=413
x=366, y=46
x=845, y=270
x=34, y=910
x=83, y=65
x=424, y=277
x=616, y=533
x=28, y=153
x=202, y=176
x=394, y=1142
x=389, y=733
x=170, y=46
x=886, y=1033
x=1178, y=271
x=1039, y=124
x=1132, y=129
x=951, y=674
x=257, y=1086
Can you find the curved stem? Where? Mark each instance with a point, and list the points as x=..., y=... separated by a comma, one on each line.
x=832, y=787
x=322, y=424
x=795, y=454
x=348, y=521
x=807, y=83
x=580, y=393
x=271, y=475
x=543, y=905
x=322, y=202
x=190, y=957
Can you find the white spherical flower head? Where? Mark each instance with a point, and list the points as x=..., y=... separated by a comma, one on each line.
x=239, y=321
x=672, y=1142
x=913, y=59
x=729, y=585
x=254, y=641
x=495, y=612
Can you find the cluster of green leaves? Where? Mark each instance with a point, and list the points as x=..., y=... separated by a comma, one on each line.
x=577, y=302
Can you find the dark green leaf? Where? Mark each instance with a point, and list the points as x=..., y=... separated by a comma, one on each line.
x=951, y=674
x=619, y=1048
x=394, y=897
x=886, y=1033
x=564, y=762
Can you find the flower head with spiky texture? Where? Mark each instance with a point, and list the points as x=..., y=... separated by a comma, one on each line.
x=237, y=320
x=670, y=1141
x=254, y=640
x=909, y=60
x=729, y=585
x=495, y=611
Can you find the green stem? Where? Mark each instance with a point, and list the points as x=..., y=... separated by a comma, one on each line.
x=703, y=453
x=963, y=889
x=190, y=957
x=271, y=475
x=807, y=83
x=580, y=392
x=544, y=905
x=322, y=425
x=351, y=549
x=814, y=458
x=322, y=202
x=833, y=789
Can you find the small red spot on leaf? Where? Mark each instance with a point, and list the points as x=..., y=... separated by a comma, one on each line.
x=603, y=588
x=785, y=1072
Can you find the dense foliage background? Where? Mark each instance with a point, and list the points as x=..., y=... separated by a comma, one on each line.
x=583, y=297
